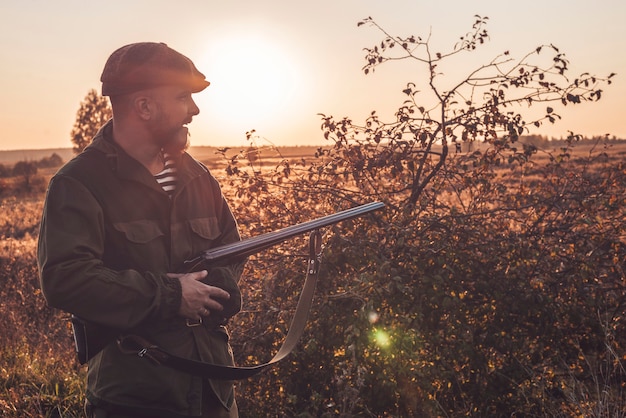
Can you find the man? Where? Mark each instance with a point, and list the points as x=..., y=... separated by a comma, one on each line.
x=118, y=223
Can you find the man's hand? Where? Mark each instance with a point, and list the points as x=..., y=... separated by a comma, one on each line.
x=198, y=299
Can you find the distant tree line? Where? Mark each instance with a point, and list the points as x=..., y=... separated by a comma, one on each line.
x=542, y=141
x=26, y=171
x=29, y=168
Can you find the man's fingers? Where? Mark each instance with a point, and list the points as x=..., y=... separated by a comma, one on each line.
x=212, y=306
x=218, y=293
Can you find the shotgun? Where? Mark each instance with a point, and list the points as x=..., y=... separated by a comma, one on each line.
x=91, y=338
x=237, y=251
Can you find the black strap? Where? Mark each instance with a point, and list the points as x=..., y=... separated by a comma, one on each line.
x=133, y=344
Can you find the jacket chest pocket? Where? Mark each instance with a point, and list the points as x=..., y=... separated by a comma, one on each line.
x=192, y=236
x=204, y=231
x=138, y=242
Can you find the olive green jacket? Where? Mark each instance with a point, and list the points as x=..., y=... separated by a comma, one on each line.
x=109, y=234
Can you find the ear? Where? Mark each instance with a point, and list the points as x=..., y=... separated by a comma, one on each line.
x=143, y=107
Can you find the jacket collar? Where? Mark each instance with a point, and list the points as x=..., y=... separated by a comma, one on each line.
x=127, y=167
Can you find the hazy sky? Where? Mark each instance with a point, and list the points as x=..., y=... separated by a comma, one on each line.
x=274, y=65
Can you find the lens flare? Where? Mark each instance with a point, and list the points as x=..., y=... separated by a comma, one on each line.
x=381, y=338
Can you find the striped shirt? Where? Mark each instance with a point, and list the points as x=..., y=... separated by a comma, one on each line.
x=167, y=178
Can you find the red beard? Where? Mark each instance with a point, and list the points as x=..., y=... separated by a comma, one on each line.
x=179, y=143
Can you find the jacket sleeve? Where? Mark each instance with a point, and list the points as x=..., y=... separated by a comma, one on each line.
x=72, y=275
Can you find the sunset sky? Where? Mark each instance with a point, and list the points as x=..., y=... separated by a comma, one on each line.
x=274, y=65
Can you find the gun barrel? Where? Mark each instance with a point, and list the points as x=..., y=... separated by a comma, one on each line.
x=241, y=249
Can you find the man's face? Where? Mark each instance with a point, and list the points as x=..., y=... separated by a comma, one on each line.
x=174, y=108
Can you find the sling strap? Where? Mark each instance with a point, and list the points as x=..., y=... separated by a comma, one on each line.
x=136, y=345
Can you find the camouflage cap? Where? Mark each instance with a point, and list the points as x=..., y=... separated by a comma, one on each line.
x=146, y=65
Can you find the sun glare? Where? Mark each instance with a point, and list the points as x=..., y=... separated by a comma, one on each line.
x=252, y=82
x=381, y=338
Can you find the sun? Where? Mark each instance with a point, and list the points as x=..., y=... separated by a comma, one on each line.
x=253, y=82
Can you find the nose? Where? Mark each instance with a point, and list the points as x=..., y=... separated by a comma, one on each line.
x=193, y=108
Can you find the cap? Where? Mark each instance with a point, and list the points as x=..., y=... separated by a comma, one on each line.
x=146, y=65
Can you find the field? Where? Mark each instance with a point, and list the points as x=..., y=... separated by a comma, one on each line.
x=203, y=153
x=490, y=309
